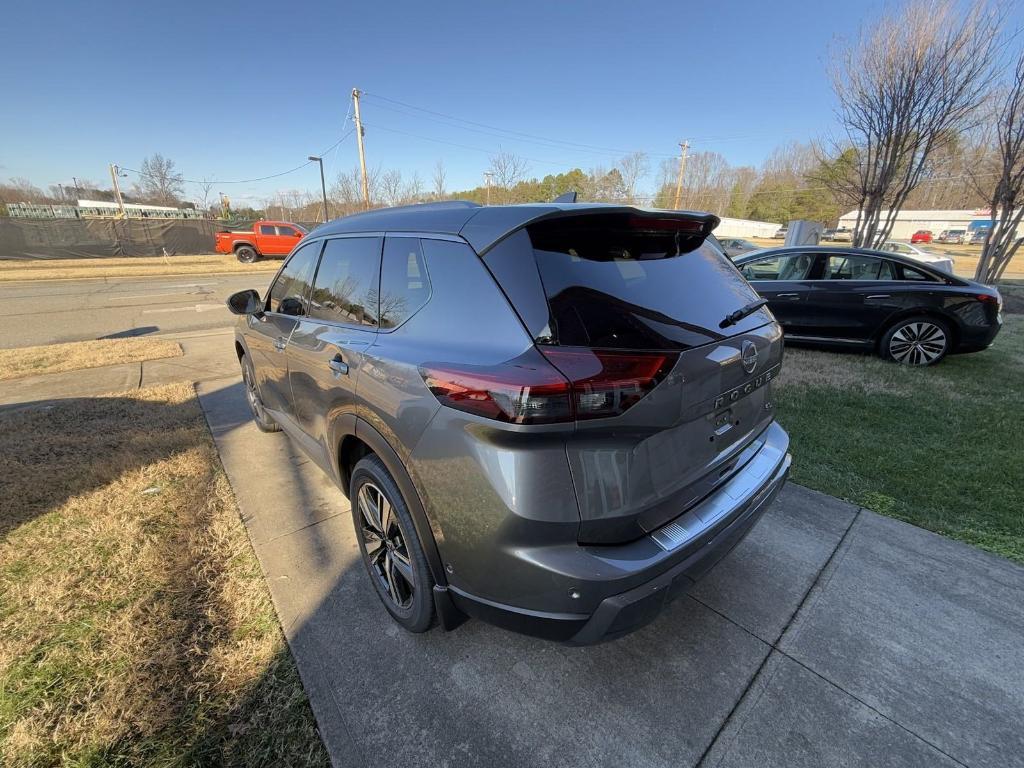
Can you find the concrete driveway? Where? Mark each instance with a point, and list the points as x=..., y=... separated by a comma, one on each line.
x=831, y=636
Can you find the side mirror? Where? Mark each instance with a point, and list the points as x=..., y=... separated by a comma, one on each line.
x=245, y=303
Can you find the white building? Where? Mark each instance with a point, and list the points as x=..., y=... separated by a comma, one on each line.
x=909, y=222
x=746, y=228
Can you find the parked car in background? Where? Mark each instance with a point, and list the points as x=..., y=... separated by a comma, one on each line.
x=921, y=236
x=559, y=450
x=780, y=234
x=952, y=236
x=266, y=238
x=843, y=235
x=978, y=236
x=735, y=246
x=938, y=261
x=828, y=234
x=873, y=300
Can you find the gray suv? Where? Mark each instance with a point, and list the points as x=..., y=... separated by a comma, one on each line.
x=551, y=417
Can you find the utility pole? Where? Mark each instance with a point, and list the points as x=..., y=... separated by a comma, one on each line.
x=362, y=152
x=114, y=171
x=323, y=185
x=487, y=181
x=78, y=192
x=682, y=169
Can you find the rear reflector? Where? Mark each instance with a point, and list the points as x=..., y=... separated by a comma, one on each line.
x=557, y=386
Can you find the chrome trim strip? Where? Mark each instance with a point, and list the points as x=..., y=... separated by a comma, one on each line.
x=747, y=488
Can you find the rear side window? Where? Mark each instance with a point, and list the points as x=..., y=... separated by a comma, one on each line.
x=289, y=292
x=909, y=273
x=618, y=281
x=347, y=283
x=268, y=229
x=858, y=268
x=404, y=286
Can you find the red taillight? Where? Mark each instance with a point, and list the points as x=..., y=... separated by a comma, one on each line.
x=987, y=298
x=561, y=385
x=526, y=390
x=607, y=383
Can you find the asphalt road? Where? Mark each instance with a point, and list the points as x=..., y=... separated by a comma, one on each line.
x=54, y=311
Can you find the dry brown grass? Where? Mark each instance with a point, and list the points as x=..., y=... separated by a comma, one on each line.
x=56, y=358
x=143, y=266
x=135, y=623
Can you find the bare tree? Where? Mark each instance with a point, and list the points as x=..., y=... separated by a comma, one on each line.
x=159, y=182
x=508, y=170
x=440, y=177
x=1006, y=168
x=391, y=187
x=632, y=168
x=910, y=82
x=205, y=186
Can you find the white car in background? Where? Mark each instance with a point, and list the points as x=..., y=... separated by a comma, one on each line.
x=938, y=261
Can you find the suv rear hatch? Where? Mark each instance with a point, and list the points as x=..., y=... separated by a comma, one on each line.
x=670, y=397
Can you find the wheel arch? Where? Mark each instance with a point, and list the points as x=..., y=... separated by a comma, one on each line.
x=358, y=439
x=243, y=243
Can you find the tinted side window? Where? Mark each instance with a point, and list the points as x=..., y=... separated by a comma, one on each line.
x=909, y=273
x=286, y=231
x=267, y=229
x=292, y=285
x=347, y=283
x=404, y=285
x=857, y=268
x=793, y=266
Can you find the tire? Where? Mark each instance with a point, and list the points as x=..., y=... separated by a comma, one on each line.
x=920, y=340
x=246, y=254
x=398, y=568
x=263, y=420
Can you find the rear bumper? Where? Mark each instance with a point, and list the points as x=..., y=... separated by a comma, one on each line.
x=690, y=546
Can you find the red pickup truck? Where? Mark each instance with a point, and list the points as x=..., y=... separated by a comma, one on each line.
x=266, y=238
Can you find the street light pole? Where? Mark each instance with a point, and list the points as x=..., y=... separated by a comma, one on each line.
x=323, y=184
x=487, y=179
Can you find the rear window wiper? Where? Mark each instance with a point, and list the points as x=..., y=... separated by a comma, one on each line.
x=734, y=317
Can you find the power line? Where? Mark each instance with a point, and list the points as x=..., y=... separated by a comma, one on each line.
x=508, y=131
x=460, y=146
x=249, y=181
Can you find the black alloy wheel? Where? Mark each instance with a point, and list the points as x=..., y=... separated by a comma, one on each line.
x=263, y=420
x=389, y=546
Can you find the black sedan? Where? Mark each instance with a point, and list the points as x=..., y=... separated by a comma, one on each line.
x=873, y=300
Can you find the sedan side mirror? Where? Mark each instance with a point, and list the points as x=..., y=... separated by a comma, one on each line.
x=245, y=303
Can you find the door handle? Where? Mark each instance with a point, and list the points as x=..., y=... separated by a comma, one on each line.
x=280, y=343
x=879, y=296
x=789, y=296
x=338, y=365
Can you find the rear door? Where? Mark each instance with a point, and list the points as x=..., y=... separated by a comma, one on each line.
x=782, y=278
x=672, y=393
x=326, y=351
x=853, y=298
x=269, y=333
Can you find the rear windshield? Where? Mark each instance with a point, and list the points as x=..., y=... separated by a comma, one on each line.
x=619, y=282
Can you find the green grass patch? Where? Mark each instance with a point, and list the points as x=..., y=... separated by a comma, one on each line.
x=938, y=447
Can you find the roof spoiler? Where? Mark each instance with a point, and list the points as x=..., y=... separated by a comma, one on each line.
x=568, y=197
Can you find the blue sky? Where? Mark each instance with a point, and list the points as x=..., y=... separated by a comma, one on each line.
x=237, y=91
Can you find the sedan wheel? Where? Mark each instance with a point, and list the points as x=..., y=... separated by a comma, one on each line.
x=917, y=342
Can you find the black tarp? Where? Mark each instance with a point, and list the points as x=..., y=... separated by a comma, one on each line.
x=96, y=238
